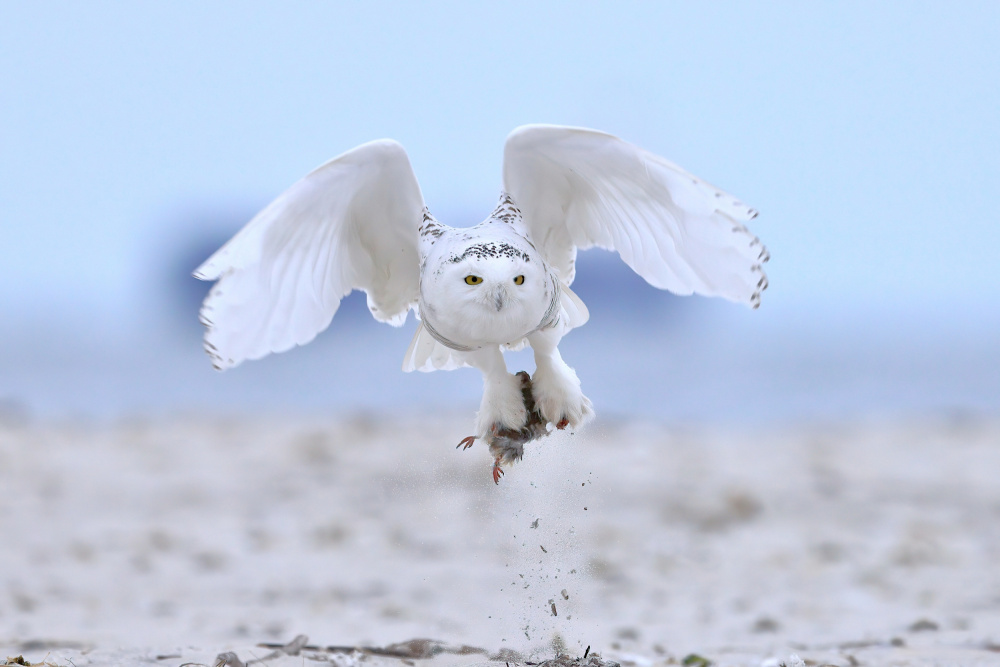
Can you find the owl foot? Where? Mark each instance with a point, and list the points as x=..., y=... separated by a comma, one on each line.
x=502, y=408
x=507, y=444
x=558, y=397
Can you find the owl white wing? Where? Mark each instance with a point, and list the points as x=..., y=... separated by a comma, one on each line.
x=350, y=224
x=579, y=188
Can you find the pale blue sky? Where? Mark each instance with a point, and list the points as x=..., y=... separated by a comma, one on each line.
x=864, y=132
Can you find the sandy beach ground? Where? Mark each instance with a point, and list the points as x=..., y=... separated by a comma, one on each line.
x=170, y=541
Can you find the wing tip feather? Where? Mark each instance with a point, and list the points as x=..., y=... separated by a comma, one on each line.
x=207, y=271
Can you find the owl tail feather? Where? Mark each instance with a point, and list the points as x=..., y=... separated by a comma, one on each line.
x=426, y=354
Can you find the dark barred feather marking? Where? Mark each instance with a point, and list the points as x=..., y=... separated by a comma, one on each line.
x=506, y=211
x=429, y=226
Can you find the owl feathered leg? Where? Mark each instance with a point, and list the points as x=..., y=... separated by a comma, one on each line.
x=556, y=387
x=503, y=404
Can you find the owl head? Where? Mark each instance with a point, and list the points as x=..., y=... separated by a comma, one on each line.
x=491, y=291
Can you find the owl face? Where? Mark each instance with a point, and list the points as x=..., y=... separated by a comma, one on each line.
x=489, y=291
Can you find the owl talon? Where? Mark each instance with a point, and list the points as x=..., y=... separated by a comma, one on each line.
x=466, y=442
x=563, y=423
x=497, y=471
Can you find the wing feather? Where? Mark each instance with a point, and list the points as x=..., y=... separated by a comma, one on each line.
x=349, y=224
x=579, y=188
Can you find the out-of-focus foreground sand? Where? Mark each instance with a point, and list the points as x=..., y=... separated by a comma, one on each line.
x=874, y=543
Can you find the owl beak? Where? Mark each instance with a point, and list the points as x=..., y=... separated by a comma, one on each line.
x=499, y=298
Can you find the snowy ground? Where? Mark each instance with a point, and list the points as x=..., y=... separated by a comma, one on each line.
x=174, y=540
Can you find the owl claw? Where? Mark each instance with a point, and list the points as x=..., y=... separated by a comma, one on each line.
x=497, y=471
x=563, y=423
x=466, y=442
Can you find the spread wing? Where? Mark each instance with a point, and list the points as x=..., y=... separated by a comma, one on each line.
x=579, y=188
x=349, y=224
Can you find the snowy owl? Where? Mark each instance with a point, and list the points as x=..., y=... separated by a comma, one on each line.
x=359, y=222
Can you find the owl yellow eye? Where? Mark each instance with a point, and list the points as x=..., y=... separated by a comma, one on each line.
x=473, y=280
x=519, y=280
